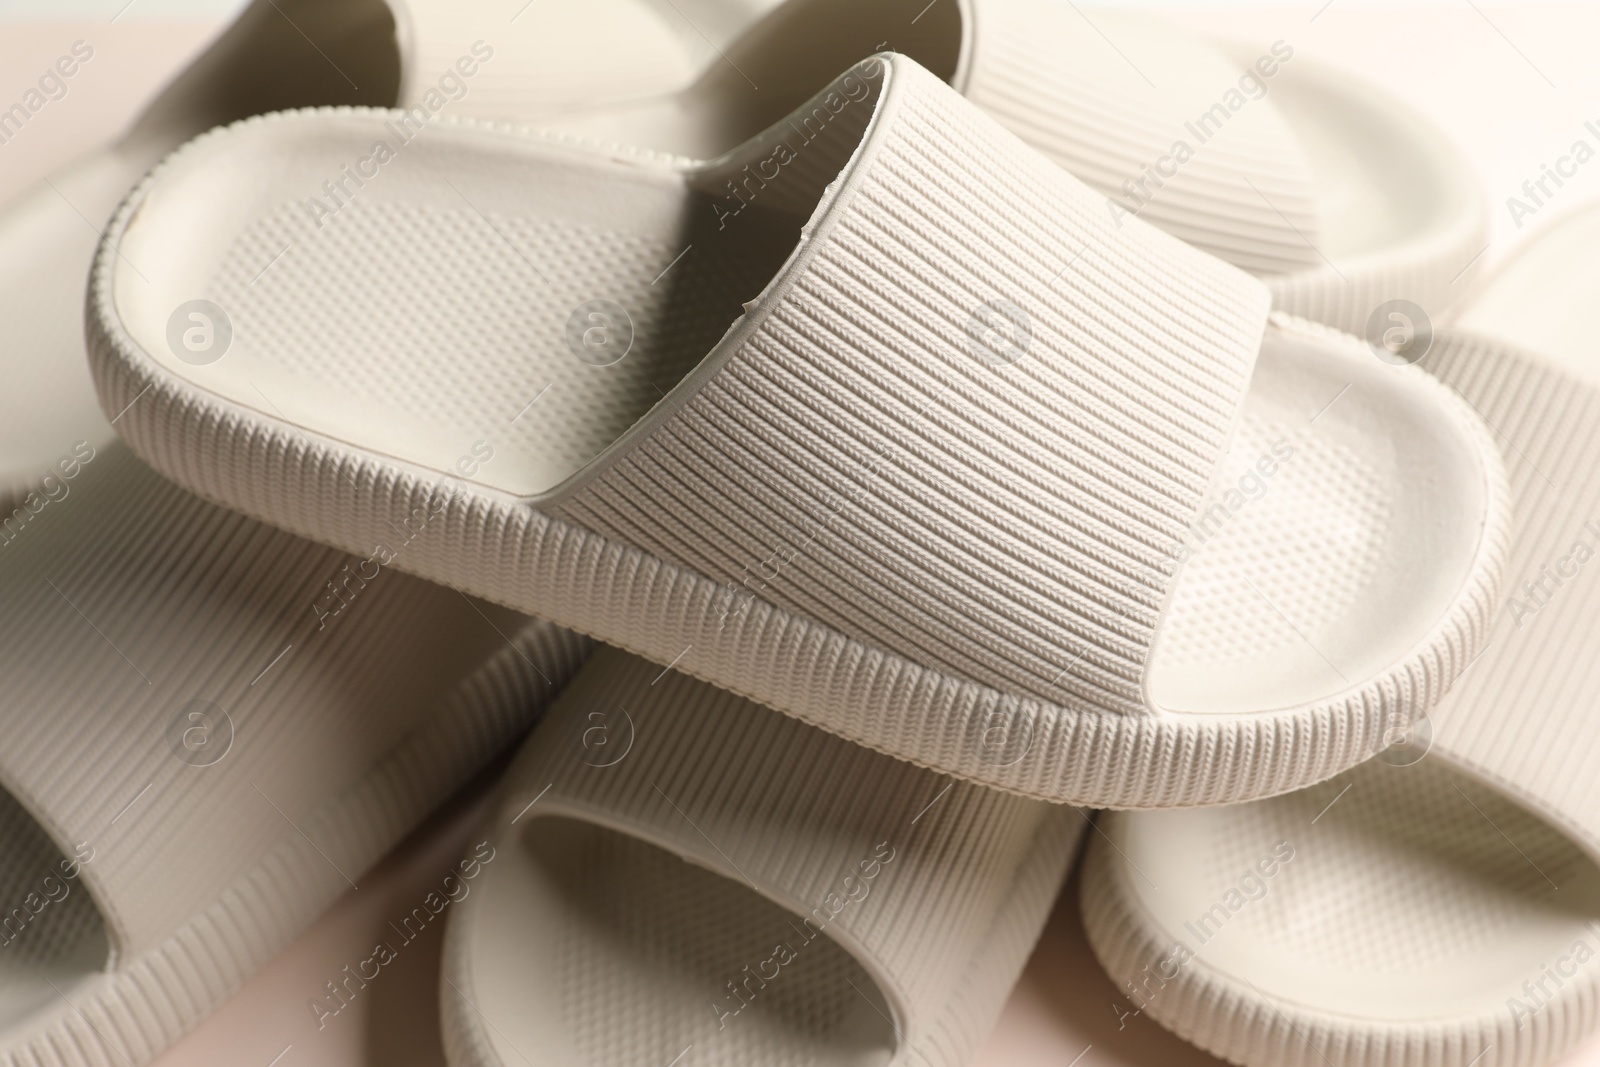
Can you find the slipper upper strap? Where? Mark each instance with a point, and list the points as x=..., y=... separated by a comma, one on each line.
x=192, y=701
x=922, y=879
x=972, y=421
x=1524, y=716
x=1162, y=123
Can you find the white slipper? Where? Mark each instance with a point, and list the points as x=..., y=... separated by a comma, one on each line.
x=935, y=490
x=1339, y=196
x=292, y=53
x=212, y=729
x=673, y=871
x=1443, y=912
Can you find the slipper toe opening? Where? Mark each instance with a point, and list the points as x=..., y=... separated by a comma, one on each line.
x=597, y=947
x=1347, y=523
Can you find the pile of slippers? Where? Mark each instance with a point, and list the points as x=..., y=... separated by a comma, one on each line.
x=974, y=459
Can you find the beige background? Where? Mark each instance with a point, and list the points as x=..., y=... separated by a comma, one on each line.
x=1514, y=86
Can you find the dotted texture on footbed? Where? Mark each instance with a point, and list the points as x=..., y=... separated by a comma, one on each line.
x=858, y=517
x=1286, y=564
x=654, y=941
x=457, y=321
x=1412, y=868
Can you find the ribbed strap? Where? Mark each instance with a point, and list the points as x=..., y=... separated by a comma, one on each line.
x=1527, y=713
x=869, y=457
x=1157, y=121
x=940, y=887
x=130, y=604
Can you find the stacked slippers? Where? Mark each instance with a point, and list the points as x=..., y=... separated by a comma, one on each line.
x=195, y=764
x=433, y=56
x=1441, y=904
x=937, y=447
x=780, y=420
x=1337, y=195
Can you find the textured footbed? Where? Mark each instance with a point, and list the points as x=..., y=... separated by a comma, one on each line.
x=1543, y=298
x=451, y=301
x=284, y=54
x=629, y=977
x=1391, y=896
x=1442, y=912
x=1333, y=508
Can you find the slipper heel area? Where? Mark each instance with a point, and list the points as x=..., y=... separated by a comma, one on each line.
x=1397, y=916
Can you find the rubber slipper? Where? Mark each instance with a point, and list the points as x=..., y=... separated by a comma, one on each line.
x=212, y=729
x=962, y=487
x=1443, y=912
x=440, y=58
x=754, y=890
x=1338, y=195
